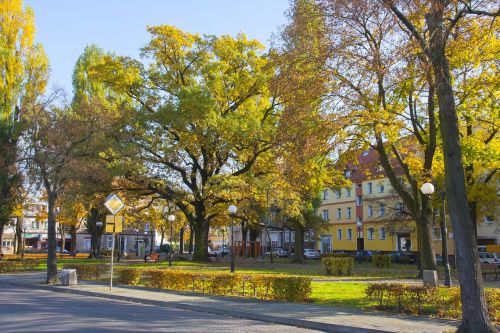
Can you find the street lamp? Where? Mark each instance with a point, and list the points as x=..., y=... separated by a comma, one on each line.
x=171, y=219
x=99, y=225
x=428, y=189
x=136, y=242
x=24, y=240
x=232, y=209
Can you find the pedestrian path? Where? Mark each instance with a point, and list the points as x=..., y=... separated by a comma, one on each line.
x=320, y=318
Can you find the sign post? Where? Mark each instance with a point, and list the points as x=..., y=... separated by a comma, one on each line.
x=113, y=224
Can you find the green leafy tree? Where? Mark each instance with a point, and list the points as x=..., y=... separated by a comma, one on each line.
x=203, y=116
x=24, y=71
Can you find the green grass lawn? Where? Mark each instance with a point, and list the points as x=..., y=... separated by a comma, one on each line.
x=341, y=294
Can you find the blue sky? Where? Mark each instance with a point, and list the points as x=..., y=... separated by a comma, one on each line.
x=65, y=27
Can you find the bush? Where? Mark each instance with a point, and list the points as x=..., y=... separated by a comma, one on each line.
x=416, y=299
x=88, y=272
x=338, y=266
x=278, y=287
x=335, y=255
x=129, y=276
x=381, y=261
x=406, y=260
x=14, y=265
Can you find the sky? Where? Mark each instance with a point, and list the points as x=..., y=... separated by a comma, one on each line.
x=65, y=27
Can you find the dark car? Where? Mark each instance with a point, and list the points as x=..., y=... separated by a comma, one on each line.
x=403, y=257
x=363, y=255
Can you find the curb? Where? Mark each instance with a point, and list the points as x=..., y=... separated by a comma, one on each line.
x=324, y=327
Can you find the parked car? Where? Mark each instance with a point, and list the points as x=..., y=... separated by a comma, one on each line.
x=281, y=253
x=363, y=255
x=311, y=254
x=489, y=258
x=222, y=250
x=403, y=257
x=58, y=250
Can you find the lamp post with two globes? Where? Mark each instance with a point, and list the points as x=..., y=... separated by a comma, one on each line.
x=428, y=189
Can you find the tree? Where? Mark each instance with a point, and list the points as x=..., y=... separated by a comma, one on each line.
x=203, y=116
x=24, y=71
x=431, y=24
x=63, y=145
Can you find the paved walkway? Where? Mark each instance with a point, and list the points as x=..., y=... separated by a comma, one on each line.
x=320, y=318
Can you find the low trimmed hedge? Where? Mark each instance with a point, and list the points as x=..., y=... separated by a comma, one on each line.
x=265, y=286
x=418, y=299
x=338, y=266
x=381, y=261
x=335, y=255
x=89, y=272
x=12, y=265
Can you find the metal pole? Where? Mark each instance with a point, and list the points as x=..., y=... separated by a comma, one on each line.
x=137, y=243
x=444, y=237
x=232, y=244
x=112, y=253
x=171, y=247
x=222, y=251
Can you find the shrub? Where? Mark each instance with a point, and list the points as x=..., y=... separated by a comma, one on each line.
x=14, y=265
x=381, y=261
x=407, y=298
x=335, y=255
x=129, y=276
x=338, y=266
x=406, y=260
x=279, y=287
x=444, y=302
x=88, y=272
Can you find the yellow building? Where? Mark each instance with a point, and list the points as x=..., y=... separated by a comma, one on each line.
x=368, y=215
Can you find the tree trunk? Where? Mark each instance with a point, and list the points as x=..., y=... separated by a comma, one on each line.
x=2, y=224
x=181, y=241
x=298, y=255
x=244, y=229
x=19, y=236
x=427, y=257
x=253, y=240
x=52, y=241
x=191, y=238
x=73, y=238
x=473, y=215
x=200, y=240
x=474, y=310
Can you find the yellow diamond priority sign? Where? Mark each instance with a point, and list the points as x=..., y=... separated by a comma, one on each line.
x=114, y=204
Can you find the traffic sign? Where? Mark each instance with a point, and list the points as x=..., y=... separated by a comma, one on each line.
x=114, y=204
x=114, y=223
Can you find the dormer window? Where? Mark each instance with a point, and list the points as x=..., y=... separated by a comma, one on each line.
x=347, y=174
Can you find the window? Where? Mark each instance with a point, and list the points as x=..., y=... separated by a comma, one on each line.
x=349, y=234
x=370, y=188
x=381, y=188
x=365, y=153
x=489, y=219
x=370, y=211
x=400, y=207
x=325, y=215
x=349, y=212
x=339, y=234
x=293, y=237
x=380, y=168
x=339, y=213
x=6, y=243
x=382, y=233
x=34, y=224
x=358, y=185
x=325, y=194
x=87, y=243
x=382, y=210
x=338, y=194
x=109, y=242
x=348, y=192
x=371, y=233
x=347, y=173
x=359, y=201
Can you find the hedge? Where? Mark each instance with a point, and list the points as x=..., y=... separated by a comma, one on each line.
x=416, y=299
x=265, y=286
x=381, y=261
x=17, y=265
x=338, y=266
x=89, y=272
x=335, y=255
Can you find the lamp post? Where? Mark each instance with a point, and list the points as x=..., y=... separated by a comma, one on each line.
x=24, y=240
x=99, y=225
x=171, y=219
x=232, y=211
x=428, y=189
x=136, y=242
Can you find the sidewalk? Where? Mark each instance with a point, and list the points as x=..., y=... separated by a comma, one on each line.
x=326, y=319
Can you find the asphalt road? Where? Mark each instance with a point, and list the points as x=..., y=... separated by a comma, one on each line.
x=28, y=310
